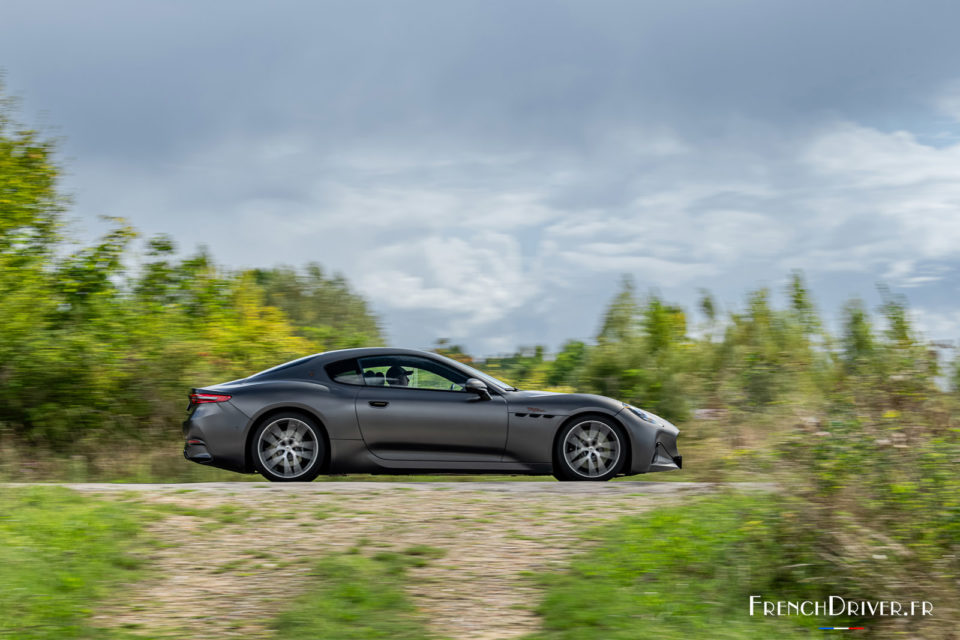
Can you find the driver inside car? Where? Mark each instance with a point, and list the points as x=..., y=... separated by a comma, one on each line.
x=397, y=376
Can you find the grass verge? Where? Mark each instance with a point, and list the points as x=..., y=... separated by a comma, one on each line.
x=355, y=597
x=678, y=573
x=60, y=553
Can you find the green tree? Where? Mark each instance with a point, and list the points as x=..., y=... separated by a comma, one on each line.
x=323, y=309
x=641, y=354
x=801, y=304
x=567, y=366
x=453, y=351
x=857, y=338
x=30, y=205
x=620, y=319
x=708, y=306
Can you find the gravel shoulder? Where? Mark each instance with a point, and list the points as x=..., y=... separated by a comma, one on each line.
x=227, y=574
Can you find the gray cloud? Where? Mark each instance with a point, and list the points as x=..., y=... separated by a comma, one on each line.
x=486, y=170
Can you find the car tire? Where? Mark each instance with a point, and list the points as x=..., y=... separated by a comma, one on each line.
x=288, y=447
x=589, y=448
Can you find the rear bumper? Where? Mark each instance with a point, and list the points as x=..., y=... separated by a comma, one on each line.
x=214, y=435
x=196, y=451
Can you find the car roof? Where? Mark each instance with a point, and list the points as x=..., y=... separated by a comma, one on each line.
x=363, y=352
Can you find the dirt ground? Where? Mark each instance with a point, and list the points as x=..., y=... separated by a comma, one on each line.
x=227, y=575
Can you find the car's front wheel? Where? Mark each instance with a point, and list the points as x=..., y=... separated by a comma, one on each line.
x=288, y=447
x=589, y=448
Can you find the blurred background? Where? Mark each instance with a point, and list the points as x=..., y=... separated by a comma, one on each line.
x=742, y=216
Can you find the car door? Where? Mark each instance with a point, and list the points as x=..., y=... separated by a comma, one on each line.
x=415, y=409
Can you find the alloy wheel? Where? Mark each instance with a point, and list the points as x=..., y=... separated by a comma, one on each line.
x=287, y=447
x=591, y=449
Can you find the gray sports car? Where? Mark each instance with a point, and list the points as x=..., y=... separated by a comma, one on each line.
x=402, y=411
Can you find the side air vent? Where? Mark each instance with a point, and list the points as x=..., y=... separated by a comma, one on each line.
x=520, y=415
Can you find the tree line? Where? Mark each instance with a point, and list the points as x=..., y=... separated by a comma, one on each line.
x=104, y=339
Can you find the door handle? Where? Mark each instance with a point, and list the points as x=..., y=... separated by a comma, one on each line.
x=378, y=403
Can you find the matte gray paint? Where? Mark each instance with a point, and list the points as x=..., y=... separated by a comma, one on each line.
x=419, y=430
x=435, y=426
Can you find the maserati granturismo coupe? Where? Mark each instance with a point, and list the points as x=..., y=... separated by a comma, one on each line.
x=380, y=410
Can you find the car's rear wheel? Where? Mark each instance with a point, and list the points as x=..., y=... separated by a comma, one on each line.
x=589, y=448
x=288, y=447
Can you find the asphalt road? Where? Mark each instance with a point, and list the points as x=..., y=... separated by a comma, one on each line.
x=482, y=487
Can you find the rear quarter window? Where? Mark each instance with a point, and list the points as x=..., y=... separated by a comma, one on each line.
x=283, y=368
x=344, y=372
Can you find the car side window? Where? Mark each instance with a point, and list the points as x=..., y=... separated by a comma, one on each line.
x=410, y=372
x=344, y=371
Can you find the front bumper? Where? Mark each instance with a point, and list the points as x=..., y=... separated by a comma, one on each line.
x=654, y=444
x=664, y=461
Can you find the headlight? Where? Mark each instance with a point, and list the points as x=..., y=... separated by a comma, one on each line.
x=642, y=414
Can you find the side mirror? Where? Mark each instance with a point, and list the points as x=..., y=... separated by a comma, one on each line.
x=473, y=385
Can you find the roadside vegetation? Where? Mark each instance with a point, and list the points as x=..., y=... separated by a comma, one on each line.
x=680, y=573
x=858, y=424
x=109, y=338
x=61, y=554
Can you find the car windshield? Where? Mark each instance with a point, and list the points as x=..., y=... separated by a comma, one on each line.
x=500, y=384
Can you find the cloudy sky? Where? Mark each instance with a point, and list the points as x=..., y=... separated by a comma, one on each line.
x=486, y=171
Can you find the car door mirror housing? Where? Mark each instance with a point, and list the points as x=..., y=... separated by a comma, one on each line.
x=479, y=387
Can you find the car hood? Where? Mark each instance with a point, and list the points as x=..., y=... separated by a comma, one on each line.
x=560, y=403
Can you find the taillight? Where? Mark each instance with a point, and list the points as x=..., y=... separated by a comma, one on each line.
x=205, y=398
